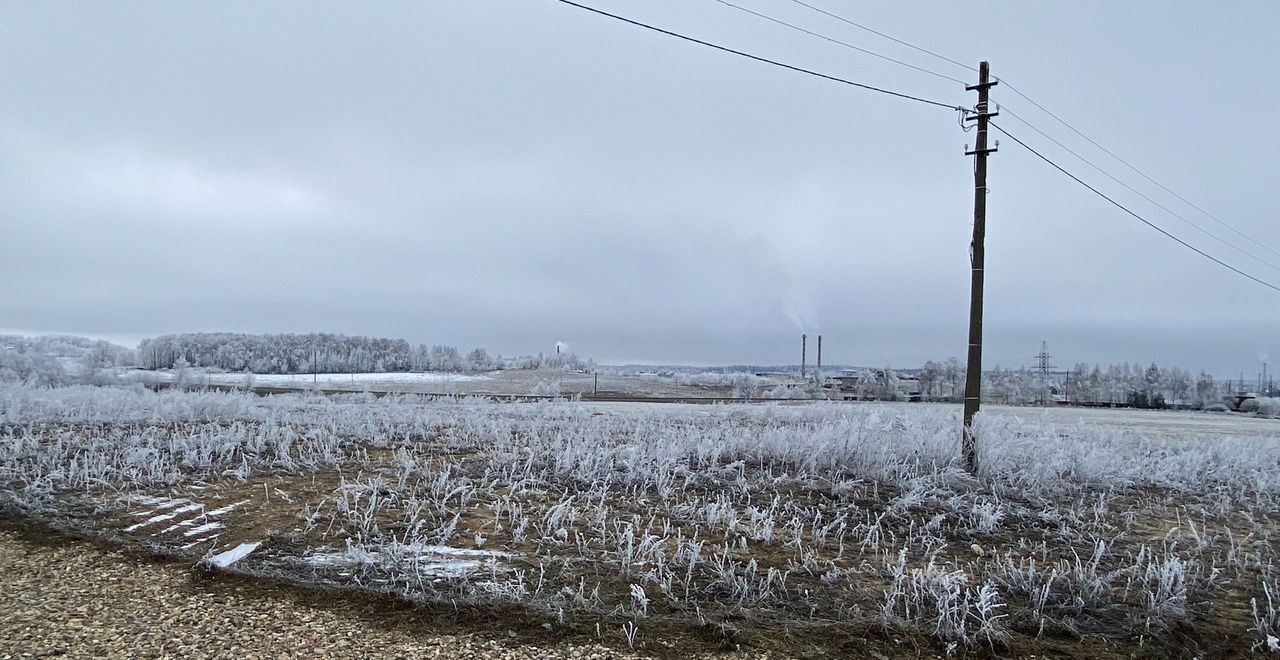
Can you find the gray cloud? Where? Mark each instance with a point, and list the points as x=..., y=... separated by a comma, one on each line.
x=510, y=174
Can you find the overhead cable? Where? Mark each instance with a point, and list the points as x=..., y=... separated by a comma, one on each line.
x=1126, y=209
x=764, y=60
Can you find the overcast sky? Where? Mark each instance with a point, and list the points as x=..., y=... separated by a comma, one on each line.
x=512, y=173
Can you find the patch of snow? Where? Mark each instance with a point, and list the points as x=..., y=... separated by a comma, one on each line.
x=225, y=559
x=225, y=510
x=161, y=505
x=454, y=552
x=148, y=500
x=216, y=513
x=199, y=541
x=203, y=529
x=430, y=560
x=185, y=523
x=164, y=516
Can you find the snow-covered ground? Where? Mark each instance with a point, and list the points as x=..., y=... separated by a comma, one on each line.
x=1107, y=523
x=1163, y=423
x=498, y=383
x=347, y=380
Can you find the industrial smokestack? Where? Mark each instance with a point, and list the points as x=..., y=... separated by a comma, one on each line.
x=804, y=345
x=817, y=372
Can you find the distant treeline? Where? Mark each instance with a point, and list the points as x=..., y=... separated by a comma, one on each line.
x=39, y=360
x=328, y=353
x=1117, y=384
x=103, y=352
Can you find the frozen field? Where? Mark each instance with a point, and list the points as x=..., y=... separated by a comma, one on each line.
x=425, y=381
x=813, y=529
x=1161, y=423
x=506, y=382
x=1157, y=423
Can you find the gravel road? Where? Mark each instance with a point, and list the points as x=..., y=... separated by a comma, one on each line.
x=77, y=600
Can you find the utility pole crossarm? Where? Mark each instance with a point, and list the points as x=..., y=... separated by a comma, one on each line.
x=973, y=373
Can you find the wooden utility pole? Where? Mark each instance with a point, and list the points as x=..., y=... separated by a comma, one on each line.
x=973, y=374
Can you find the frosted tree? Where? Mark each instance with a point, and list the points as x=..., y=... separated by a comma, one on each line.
x=182, y=372
x=930, y=375
x=1095, y=383
x=21, y=363
x=866, y=387
x=478, y=360
x=954, y=375
x=1178, y=384
x=1206, y=389
x=1078, y=389
x=887, y=386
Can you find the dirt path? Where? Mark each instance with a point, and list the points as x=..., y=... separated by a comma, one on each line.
x=76, y=600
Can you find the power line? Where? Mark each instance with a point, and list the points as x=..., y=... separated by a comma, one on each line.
x=1135, y=215
x=918, y=99
x=881, y=34
x=838, y=42
x=764, y=60
x=1069, y=150
x=1141, y=194
x=1060, y=120
x=1144, y=175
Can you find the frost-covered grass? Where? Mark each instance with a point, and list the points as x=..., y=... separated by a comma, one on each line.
x=1266, y=614
x=820, y=520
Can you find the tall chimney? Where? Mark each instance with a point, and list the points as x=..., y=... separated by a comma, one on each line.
x=804, y=345
x=817, y=372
